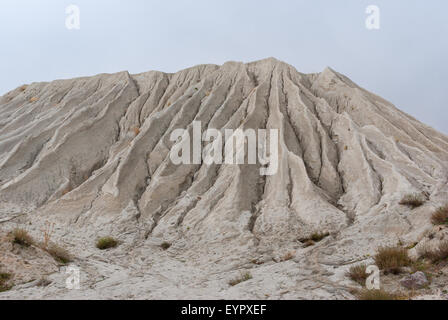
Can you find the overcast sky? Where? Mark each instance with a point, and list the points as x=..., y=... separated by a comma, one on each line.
x=405, y=61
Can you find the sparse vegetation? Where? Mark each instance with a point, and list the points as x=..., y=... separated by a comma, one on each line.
x=315, y=237
x=21, y=237
x=435, y=255
x=165, y=245
x=48, y=232
x=358, y=273
x=442, y=251
x=411, y=246
x=287, y=256
x=23, y=88
x=34, y=99
x=420, y=265
x=106, y=243
x=440, y=216
x=392, y=259
x=136, y=130
x=59, y=254
x=318, y=236
x=66, y=190
x=5, y=278
x=376, y=295
x=43, y=282
x=413, y=200
x=257, y=262
x=244, y=277
x=309, y=243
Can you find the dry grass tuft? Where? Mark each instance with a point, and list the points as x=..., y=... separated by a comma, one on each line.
x=436, y=255
x=43, y=282
x=21, y=237
x=358, y=273
x=47, y=232
x=23, y=88
x=309, y=243
x=442, y=251
x=136, y=130
x=287, y=256
x=244, y=277
x=106, y=243
x=34, y=99
x=440, y=216
x=413, y=200
x=58, y=253
x=376, y=295
x=392, y=259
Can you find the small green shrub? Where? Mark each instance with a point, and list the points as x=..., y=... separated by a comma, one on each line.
x=5, y=284
x=315, y=237
x=244, y=277
x=165, y=245
x=411, y=246
x=21, y=237
x=358, y=273
x=440, y=216
x=392, y=259
x=420, y=265
x=318, y=236
x=413, y=200
x=106, y=243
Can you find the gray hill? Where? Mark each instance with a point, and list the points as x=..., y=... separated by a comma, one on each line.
x=91, y=156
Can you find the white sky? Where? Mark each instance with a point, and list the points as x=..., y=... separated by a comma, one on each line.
x=405, y=61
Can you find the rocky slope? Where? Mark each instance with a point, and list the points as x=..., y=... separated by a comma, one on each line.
x=91, y=155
